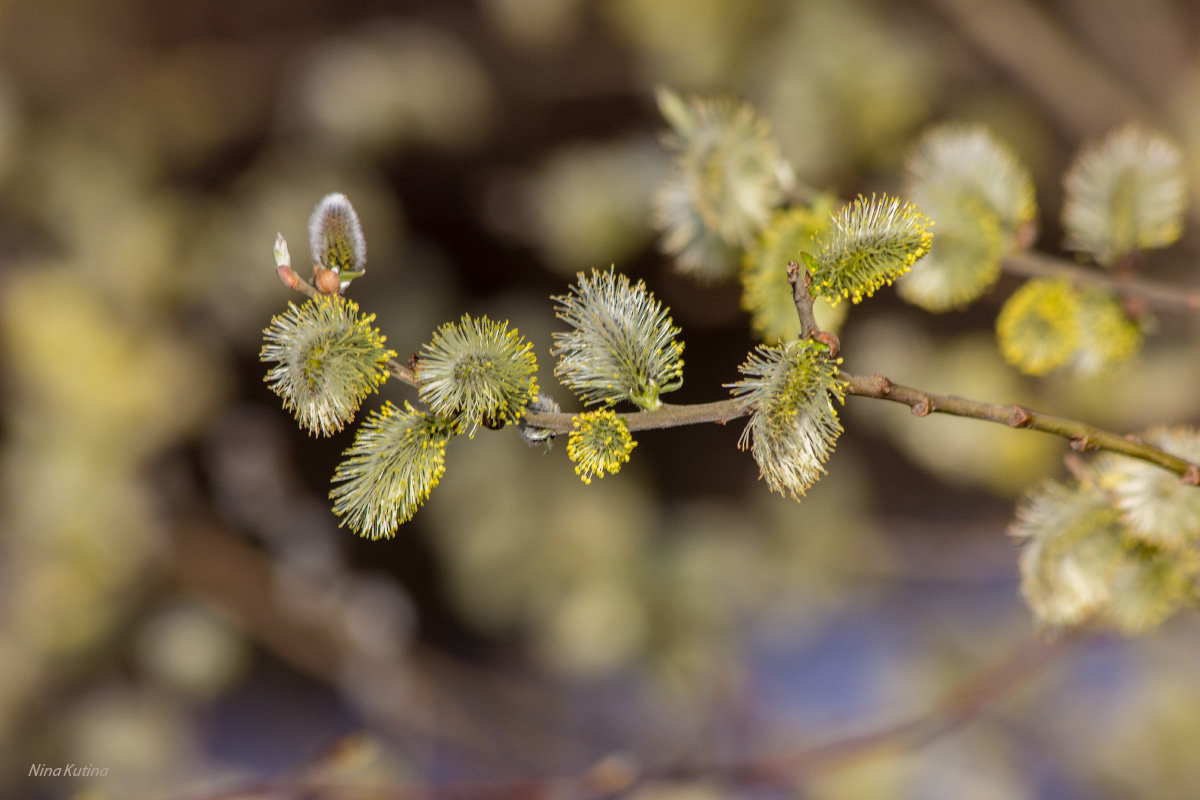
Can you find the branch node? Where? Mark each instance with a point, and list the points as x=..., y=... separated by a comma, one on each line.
x=922, y=409
x=1191, y=477
x=883, y=384
x=1020, y=418
x=829, y=340
x=1026, y=235
x=613, y=774
x=1135, y=306
x=1128, y=265
x=1081, y=444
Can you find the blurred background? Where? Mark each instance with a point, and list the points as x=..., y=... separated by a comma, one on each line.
x=177, y=604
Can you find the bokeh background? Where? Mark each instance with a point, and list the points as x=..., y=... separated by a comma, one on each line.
x=177, y=603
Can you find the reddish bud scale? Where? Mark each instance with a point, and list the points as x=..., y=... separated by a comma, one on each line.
x=1020, y=418
x=327, y=281
x=288, y=276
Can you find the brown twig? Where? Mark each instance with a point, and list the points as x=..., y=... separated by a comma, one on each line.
x=800, y=279
x=1081, y=435
x=668, y=416
x=402, y=372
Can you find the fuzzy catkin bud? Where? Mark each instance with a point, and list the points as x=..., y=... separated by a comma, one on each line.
x=1081, y=556
x=1072, y=551
x=478, y=371
x=1038, y=327
x=327, y=359
x=336, y=238
x=1107, y=336
x=728, y=177
x=1125, y=194
x=398, y=457
x=621, y=345
x=983, y=201
x=794, y=425
x=868, y=244
x=1157, y=507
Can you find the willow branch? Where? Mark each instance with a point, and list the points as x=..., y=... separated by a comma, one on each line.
x=1154, y=294
x=667, y=416
x=1081, y=435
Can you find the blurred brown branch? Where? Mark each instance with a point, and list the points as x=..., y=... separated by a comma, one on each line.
x=616, y=776
x=1069, y=84
x=1149, y=293
x=1024, y=662
x=429, y=697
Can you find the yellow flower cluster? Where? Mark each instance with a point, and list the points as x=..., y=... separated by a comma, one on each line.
x=599, y=443
x=1048, y=324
